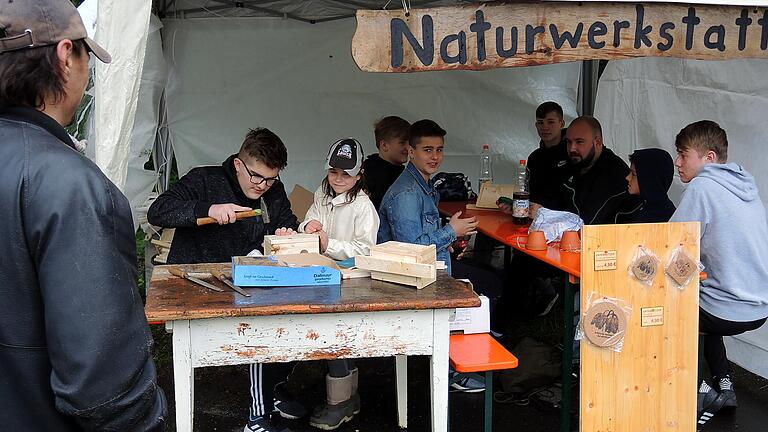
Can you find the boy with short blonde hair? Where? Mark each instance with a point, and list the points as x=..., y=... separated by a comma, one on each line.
x=733, y=299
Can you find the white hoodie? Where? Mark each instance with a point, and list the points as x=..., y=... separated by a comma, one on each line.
x=351, y=227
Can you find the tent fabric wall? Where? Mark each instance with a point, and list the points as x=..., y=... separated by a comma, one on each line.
x=231, y=74
x=140, y=182
x=645, y=102
x=117, y=83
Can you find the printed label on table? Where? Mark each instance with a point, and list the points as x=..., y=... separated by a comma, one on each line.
x=652, y=316
x=605, y=260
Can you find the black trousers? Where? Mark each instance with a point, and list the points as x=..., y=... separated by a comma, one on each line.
x=714, y=329
x=484, y=280
x=528, y=282
x=264, y=378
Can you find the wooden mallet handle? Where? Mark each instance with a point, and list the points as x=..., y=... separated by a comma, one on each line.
x=238, y=216
x=176, y=271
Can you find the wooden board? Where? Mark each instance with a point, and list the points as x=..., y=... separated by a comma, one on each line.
x=417, y=282
x=490, y=193
x=173, y=298
x=474, y=207
x=480, y=36
x=291, y=244
x=405, y=252
x=401, y=268
x=651, y=384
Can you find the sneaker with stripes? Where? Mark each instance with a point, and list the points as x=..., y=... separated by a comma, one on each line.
x=726, y=388
x=262, y=424
x=708, y=402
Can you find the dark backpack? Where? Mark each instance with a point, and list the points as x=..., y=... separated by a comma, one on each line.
x=453, y=187
x=540, y=364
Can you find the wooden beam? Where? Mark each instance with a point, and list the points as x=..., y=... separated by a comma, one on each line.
x=478, y=37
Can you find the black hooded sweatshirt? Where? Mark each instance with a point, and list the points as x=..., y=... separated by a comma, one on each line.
x=190, y=198
x=654, y=168
x=379, y=176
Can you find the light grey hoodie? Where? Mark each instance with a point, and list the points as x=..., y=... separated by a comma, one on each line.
x=734, y=241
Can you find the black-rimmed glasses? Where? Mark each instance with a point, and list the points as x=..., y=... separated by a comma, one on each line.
x=259, y=179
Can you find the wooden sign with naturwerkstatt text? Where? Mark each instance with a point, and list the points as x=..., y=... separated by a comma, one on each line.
x=508, y=35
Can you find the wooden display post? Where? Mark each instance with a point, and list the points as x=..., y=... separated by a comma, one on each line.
x=651, y=384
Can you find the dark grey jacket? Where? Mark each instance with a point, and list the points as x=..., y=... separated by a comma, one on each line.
x=192, y=196
x=74, y=341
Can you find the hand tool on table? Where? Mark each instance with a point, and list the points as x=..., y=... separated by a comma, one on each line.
x=218, y=274
x=238, y=216
x=184, y=275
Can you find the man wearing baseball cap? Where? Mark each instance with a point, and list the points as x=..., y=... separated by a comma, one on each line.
x=74, y=341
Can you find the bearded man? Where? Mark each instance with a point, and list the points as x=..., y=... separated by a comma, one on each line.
x=592, y=184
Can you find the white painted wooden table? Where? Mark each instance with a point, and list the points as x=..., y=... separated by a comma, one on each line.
x=362, y=318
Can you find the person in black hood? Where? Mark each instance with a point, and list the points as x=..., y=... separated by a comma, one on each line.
x=650, y=177
x=246, y=180
x=383, y=168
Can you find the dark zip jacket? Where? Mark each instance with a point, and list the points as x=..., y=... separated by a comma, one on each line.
x=75, y=347
x=597, y=195
x=544, y=166
x=379, y=176
x=192, y=196
x=654, y=168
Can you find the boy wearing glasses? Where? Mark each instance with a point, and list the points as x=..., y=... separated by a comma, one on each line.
x=246, y=180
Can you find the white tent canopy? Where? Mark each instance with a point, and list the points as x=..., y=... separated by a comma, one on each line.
x=645, y=102
x=287, y=65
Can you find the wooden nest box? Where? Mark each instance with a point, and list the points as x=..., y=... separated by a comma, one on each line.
x=291, y=244
x=402, y=263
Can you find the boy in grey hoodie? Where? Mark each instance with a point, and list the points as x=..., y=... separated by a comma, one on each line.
x=733, y=299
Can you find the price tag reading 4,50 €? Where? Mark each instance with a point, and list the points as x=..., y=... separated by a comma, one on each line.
x=605, y=260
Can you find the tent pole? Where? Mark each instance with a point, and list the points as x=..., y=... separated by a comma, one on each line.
x=588, y=86
x=162, y=154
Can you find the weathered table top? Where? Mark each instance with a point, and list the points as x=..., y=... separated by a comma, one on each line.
x=172, y=298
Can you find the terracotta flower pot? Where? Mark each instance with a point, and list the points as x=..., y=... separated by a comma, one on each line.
x=536, y=241
x=570, y=242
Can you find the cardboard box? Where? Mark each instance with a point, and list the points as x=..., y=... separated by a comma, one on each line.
x=301, y=200
x=304, y=295
x=285, y=270
x=471, y=320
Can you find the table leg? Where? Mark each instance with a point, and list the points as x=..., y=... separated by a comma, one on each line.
x=565, y=413
x=183, y=376
x=401, y=376
x=439, y=369
x=489, y=401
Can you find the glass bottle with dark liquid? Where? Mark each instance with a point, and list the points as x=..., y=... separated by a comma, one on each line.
x=521, y=201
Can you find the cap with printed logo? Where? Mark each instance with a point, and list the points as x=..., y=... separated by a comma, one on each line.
x=345, y=154
x=26, y=24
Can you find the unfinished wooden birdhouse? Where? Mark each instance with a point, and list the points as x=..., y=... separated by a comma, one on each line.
x=291, y=244
x=403, y=263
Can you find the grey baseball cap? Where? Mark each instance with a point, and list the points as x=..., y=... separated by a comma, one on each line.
x=345, y=154
x=28, y=24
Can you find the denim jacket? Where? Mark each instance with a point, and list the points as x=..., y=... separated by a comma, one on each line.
x=408, y=213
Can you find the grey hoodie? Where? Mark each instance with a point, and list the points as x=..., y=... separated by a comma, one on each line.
x=734, y=241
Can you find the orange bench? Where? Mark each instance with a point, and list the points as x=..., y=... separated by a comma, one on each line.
x=473, y=353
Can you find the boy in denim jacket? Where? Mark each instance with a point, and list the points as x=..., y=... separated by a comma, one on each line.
x=408, y=211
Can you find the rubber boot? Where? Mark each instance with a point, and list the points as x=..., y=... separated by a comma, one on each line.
x=355, y=395
x=339, y=407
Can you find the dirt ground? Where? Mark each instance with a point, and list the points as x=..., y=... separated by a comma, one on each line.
x=222, y=399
